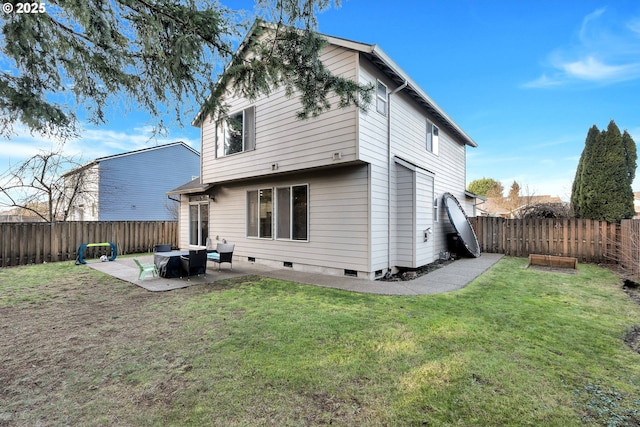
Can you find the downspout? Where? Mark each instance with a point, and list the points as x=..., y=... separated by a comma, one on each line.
x=396, y=90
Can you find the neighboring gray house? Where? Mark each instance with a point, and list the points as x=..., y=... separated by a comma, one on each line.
x=131, y=186
x=347, y=193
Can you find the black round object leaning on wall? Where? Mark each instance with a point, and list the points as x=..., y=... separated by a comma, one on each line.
x=461, y=224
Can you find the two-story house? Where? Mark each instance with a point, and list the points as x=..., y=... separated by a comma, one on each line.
x=130, y=186
x=347, y=193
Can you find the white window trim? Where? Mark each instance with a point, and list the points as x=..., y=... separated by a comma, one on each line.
x=384, y=98
x=275, y=215
x=435, y=142
x=225, y=130
x=221, y=133
x=273, y=209
x=198, y=203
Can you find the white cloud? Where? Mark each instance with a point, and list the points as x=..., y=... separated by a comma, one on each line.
x=543, y=81
x=23, y=145
x=590, y=68
x=93, y=143
x=605, y=51
x=634, y=26
x=586, y=27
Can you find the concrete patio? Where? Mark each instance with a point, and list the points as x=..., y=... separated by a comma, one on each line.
x=451, y=277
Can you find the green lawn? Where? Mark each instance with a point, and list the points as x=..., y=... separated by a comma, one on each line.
x=515, y=347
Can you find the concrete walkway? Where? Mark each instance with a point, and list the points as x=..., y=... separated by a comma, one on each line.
x=451, y=277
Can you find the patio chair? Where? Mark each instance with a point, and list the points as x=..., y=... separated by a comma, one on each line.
x=223, y=253
x=163, y=248
x=195, y=263
x=146, y=268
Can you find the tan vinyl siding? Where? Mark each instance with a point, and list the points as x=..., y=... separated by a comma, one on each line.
x=424, y=219
x=372, y=127
x=183, y=222
x=338, y=228
x=451, y=180
x=448, y=166
x=362, y=216
x=284, y=140
x=408, y=142
x=405, y=227
x=414, y=207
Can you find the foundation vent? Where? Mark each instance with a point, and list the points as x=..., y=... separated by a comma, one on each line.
x=350, y=273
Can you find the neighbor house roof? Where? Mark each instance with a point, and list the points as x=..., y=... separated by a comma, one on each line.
x=129, y=153
x=377, y=56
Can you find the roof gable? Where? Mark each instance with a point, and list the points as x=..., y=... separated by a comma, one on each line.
x=381, y=60
x=144, y=150
x=99, y=160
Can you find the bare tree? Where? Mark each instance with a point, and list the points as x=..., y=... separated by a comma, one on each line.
x=518, y=199
x=37, y=186
x=624, y=251
x=173, y=207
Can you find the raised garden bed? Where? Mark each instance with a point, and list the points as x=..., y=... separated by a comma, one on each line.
x=552, y=261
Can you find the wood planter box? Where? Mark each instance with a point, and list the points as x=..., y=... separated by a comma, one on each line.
x=553, y=261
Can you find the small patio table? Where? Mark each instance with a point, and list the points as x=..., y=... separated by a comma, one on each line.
x=168, y=263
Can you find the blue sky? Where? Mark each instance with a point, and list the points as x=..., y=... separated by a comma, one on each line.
x=525, y=79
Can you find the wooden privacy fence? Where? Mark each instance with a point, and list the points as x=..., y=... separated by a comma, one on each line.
x=587, y=240
x=38, y=242
x=628, y=249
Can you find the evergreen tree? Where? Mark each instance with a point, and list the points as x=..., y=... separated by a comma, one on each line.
x=163, y=56
x=513, y=200
x=576, y=189
x=631, y=154
x=602, y=187
x=579, y=194
x=514, y=191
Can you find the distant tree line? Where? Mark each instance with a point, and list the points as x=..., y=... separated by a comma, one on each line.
x=602, y=188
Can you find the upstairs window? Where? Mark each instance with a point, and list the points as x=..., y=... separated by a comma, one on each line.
x=432, y=137
x=381, y=98
x=237, y=133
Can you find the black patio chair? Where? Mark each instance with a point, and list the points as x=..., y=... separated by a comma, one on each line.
x=195, y=263
x=223, y=253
